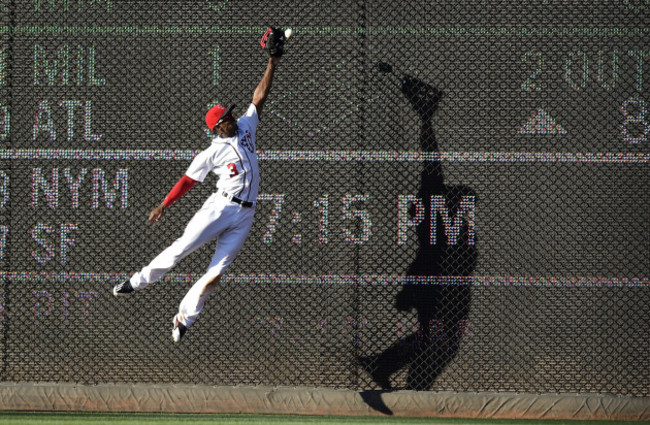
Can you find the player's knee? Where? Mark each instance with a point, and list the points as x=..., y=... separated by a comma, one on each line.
x=212, y=283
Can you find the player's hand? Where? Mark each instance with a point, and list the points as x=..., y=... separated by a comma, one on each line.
x=272, y=42
x=157, y=213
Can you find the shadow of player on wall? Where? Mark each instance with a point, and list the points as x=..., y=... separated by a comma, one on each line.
x=434, y=286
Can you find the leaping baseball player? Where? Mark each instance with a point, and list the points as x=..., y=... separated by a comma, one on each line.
x=227, y=214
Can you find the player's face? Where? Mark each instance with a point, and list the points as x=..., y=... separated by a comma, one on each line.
x=227, y=128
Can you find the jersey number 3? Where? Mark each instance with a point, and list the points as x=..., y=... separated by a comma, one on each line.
x=233, y=169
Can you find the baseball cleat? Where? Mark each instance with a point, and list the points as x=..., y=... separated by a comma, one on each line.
x=123, y=288
x=179, y=330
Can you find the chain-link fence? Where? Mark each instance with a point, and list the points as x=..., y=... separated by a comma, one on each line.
x=454, y=194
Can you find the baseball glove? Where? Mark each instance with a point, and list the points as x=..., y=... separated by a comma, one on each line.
x=272, y=42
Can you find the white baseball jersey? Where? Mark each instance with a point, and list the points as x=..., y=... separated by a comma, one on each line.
x=232, y=159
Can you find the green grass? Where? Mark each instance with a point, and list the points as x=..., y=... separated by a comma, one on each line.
x=24, y=418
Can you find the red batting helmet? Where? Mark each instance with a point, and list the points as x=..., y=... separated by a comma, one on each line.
x=217, y=114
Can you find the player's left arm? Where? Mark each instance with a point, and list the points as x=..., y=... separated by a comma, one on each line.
x=264, y=87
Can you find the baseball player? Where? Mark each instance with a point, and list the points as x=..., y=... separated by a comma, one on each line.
x=227, y=215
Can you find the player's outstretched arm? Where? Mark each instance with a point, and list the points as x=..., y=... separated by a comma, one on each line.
x=264, y=87
x=180, y=189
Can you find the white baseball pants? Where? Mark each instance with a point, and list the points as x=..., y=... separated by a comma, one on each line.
x=219, y=219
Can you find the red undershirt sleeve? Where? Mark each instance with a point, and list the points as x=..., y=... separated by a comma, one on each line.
x=179, y=189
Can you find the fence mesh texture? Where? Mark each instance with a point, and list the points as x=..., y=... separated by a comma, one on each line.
x=454, y=197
